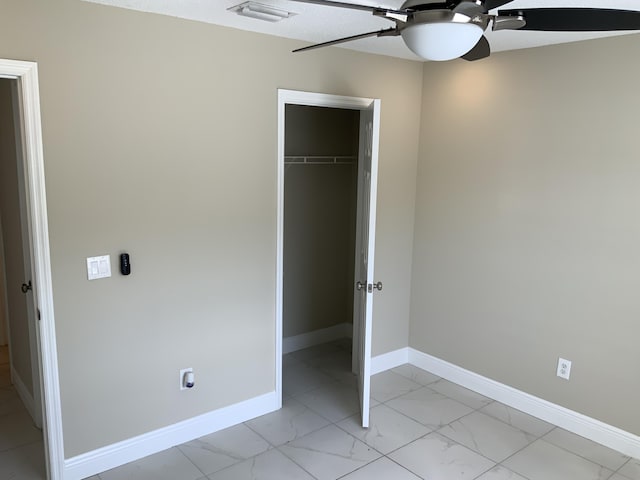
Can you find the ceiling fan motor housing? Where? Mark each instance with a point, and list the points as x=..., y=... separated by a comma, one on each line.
x=442, y=34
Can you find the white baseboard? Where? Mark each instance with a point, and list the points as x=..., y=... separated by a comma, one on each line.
x=575, y=422
x=111, y=456
x=23, y=392
x=316, y=337
x=387, y=361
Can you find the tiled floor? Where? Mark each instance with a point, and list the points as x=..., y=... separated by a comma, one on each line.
x=21, y=447
x=422, y=427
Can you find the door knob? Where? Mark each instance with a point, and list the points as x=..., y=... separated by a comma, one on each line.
x=378, y=286
x=26, y=287
x=359, y=285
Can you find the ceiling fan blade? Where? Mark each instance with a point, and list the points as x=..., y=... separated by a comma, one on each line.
x=491, y=4
x=354, y=6
x=576, y=19
x=389, y=32
x=480, y=51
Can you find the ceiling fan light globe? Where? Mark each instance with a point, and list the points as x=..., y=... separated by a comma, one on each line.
x=441, y=41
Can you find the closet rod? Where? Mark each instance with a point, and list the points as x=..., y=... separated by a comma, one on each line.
x=319, y=160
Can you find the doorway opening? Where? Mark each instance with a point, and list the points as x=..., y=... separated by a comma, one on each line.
x=27, y=322
x=320, y=187
x=327, y=178
x=20, y=393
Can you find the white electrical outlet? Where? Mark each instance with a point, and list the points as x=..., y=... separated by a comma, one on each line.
x=183, y=375
x=564, y=368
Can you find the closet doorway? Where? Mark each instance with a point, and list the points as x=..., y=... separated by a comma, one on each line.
x=36, y=288
x=326, y=228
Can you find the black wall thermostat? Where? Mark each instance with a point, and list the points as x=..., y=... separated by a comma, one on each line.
x=125, y=265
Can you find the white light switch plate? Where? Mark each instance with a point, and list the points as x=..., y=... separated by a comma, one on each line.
x=98, y=267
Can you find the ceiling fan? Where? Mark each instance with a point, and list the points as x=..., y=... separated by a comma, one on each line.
x=448, y=29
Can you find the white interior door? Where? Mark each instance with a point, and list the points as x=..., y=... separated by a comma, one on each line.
x=365, y=251
x=29, y=287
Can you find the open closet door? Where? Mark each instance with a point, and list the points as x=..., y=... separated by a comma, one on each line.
x=365, y=249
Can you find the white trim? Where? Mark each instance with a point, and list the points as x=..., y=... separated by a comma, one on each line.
x=575, y=422
x=22, y=391
x=297, y=97
x=316, y=337
x=389, y=360
x=111, y=456
x=27, y=75
x=283, y=97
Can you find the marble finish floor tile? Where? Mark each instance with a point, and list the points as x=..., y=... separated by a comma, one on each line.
x=270, y=465
x=388, y=385
x=381, y=469
x=302, y=378
x=487, y=436
x=334, y=402
x=293, y=420
x=416, y=374
x=461, y=394
x=438, y=458
x=324, y=349
x=429, y=407
x=335, y=360
x=631, y=469
x=329, y=453
x=388, y=429
x=224, y=448
x=10, y=402
x=23, y=463
x=344, y=377
x=167, y=465
x=618, y=476
x=290, y=361
x=500, y=473
x=336, y=366
x=586, y=448
x=544, y=461
x=17, y=429
x=517, y=419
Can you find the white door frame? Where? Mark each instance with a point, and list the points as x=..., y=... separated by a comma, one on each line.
x=296, y=97
x=26, y=73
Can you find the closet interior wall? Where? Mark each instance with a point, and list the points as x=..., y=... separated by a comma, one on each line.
x=321, y=166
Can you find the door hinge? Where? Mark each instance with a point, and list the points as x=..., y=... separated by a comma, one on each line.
x=38, y=313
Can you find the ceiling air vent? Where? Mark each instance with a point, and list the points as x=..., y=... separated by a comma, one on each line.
x=261, y=12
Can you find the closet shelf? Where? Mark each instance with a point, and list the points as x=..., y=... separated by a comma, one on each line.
x=320, y=160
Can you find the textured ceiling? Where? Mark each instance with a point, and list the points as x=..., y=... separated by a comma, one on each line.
x=316, y=23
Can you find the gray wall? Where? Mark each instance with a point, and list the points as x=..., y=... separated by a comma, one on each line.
x=12, y=241
x=160, y=139
x=528, y=223
x=319, y=219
